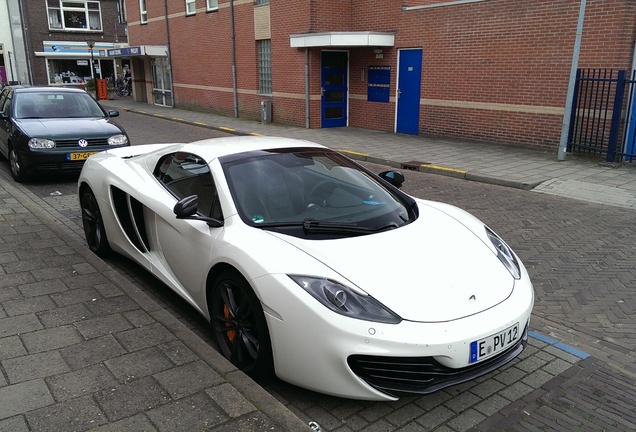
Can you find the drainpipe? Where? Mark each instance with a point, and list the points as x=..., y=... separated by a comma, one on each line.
x=169, y=53
x=233, y=36
x=307, y=88
x=563, y=143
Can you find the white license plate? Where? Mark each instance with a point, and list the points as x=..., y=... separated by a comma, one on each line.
x=493, y=344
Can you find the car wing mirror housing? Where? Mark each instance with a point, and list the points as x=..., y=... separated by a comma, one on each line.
x=396, y=178
x=113, y=113
x=186, y=208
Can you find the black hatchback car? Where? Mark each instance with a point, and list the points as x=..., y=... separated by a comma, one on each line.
x=53, y=129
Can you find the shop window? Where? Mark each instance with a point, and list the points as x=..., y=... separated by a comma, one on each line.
x=264, y=66
x=143, y=12
x=190, y=7
x=74, y=15
x=211, y=5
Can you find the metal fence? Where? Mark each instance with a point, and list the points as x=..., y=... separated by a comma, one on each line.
x=603, y=118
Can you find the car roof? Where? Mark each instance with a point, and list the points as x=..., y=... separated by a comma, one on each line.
x=46, y=89
x=218, y=147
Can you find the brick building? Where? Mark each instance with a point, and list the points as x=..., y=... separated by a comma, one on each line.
x=495, y=70
x=57, y=32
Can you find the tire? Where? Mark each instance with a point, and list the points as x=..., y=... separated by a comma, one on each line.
x=93, y=224
x=239, y=326
x=16, y=166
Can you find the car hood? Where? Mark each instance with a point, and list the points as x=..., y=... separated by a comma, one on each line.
x=433, y=270
x=68, y=128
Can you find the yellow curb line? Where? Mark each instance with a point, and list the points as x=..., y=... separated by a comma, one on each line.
x=200, y=124
x=255, y=134
x=441, y=168
x=352, y=152
x=226, y=128
x=177, y=119
x=158, y=115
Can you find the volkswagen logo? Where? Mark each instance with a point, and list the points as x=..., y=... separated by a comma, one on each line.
x=82, y=143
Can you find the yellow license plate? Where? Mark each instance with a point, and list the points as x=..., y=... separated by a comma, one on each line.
x=79, y=156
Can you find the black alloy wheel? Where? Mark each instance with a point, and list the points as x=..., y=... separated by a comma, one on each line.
x=239, y=326
x=93, y=224
x=15, y=165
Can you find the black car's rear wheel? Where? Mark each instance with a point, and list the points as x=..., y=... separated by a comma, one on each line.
x=16, y=166
x=93, y=224
x=239, y=325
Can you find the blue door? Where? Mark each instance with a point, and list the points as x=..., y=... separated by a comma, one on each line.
x=334, y=88
x=408, y=91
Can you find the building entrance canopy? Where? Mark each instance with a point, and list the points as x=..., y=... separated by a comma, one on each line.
x=342, y=39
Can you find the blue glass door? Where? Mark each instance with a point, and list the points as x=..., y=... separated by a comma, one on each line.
x=334, y=88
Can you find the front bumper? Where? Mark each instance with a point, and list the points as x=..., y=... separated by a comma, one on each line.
x=332, y=354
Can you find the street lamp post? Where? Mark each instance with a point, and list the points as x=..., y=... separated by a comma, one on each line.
x=91, y=44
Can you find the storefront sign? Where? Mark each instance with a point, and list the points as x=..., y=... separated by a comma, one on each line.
x=122, y=52
x=82, y=62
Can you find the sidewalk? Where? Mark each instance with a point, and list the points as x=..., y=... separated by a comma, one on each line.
x=523, y=168
x=82, y=349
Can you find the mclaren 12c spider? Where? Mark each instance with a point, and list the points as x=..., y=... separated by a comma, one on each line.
x=287, y=248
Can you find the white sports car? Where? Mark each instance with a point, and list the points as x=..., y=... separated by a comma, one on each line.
x=288, y=248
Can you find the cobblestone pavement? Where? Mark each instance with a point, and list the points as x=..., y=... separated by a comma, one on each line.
x=580, y=257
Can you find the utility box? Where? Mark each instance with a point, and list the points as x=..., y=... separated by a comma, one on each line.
x=266, y=111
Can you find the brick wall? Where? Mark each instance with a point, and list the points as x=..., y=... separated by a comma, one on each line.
x=495, y=70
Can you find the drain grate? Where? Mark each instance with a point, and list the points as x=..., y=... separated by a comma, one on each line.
x=413, y=165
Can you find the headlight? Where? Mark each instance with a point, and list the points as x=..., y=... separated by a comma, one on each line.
x=345, y=301
x=118, y=140
x=505, y=255
x=41, y=143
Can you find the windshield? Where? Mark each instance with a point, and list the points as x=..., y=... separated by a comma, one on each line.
x=56, y=105
x=312, y=191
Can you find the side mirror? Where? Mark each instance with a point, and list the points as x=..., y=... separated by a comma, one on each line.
x=186, y=208
x=113, y=113
x=396, y=178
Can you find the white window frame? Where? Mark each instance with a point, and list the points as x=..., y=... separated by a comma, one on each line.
x=211, y=5
x=190, y=7
x=143, y=12
x=57, y=9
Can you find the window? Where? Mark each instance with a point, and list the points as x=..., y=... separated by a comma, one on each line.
x=211, y=5
x=143, y=12
x=262, y=2
x=74, y=15
x=186, y=174
x=191, y=7
x=264, y=66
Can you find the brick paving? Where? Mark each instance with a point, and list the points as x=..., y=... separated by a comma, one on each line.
x=82, y=348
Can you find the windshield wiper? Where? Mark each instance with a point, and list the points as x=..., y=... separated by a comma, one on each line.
x=318, y=226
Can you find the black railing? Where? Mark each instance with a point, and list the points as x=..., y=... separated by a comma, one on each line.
x=603, y=117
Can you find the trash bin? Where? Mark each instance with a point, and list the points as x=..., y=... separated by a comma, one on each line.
x=266, y=111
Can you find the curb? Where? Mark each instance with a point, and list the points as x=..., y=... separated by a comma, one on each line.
x=415, y=166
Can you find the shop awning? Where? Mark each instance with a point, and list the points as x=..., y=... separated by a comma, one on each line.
x=141, y=50
x=342, y=39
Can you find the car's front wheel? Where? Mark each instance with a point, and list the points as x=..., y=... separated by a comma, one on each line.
x=93, y=224
x=16, y=166
x=239, y=325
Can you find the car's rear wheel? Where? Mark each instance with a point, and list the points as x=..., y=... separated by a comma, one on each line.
x=16, y=166
x=239, y=325
x=93, y=224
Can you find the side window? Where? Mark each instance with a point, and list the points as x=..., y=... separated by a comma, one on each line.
x=185, y=174
x=5, y=103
